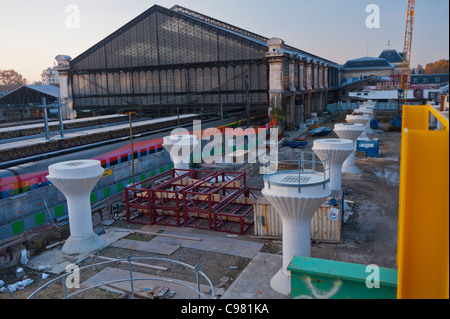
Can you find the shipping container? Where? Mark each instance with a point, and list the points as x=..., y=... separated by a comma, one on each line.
x=369, y=146
x=374, y=125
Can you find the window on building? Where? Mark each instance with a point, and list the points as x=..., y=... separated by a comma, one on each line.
x=425, y=80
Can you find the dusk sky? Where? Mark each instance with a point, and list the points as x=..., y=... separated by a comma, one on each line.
x=33, y=32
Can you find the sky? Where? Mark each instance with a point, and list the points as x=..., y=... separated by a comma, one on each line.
x=34, y=32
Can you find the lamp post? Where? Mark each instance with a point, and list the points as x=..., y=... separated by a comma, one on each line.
x=132, y=147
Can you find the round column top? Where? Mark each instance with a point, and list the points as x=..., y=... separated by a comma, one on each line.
x=334, y=144
x=294, y=185
x=349, y=127
x=358, y=118
x=78, y=169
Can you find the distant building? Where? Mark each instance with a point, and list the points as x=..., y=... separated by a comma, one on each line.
x=359, y=69
x=388, y=64
x=50, y=77
x=393, y=57
x=436, y=80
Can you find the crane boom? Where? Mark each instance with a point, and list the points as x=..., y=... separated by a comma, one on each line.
x=406, y=67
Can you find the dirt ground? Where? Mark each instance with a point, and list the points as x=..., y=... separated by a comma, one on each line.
x=368, y=237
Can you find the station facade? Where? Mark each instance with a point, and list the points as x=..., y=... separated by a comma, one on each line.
x=174, y=60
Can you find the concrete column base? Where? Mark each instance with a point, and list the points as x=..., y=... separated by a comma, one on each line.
x=351, y=170
x=83, y=245
x=281, y=282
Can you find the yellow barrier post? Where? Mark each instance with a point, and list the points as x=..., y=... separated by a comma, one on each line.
x=423, y=238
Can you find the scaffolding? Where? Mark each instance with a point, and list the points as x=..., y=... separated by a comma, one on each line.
x=195, y=199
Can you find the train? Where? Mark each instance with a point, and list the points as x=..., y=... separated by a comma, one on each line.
x=21, y=179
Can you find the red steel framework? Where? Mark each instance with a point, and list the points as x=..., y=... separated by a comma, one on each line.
x=193, y=198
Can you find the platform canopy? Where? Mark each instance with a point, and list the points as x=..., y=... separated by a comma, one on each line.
x=30, y=95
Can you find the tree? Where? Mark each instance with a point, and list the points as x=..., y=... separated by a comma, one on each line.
x=10, y=80
x=438, y=67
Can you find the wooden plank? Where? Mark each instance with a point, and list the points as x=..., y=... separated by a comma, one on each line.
x=162, y=293
x=136, y=294
x=55, y=244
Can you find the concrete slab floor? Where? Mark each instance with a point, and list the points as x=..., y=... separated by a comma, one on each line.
x=230, y=246
x=157, y=228
x=254, y=281
x=57, y=262
x=162, y=248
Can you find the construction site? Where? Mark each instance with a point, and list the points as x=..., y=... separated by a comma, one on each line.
x=232, y=172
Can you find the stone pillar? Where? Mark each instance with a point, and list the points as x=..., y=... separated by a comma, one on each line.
x=316, y=103
x=307, y=103
x=292, y=75
x=65, y=87
x=290, y=107
x=299, y=117
x=326, y=84
x=302, y=75
x=322, y=106
x=321, y=76
x=316, y=73
x=290, y=114
x=308, y=76
x=275, y=58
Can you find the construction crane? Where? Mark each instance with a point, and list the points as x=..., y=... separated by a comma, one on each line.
x=406, y=67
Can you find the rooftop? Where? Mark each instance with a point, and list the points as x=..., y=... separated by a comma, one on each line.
x=392, y=56
x=368, y=63
x=207, y=22
x=30, y=94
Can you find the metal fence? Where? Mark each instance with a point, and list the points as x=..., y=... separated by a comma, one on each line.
x=308, y=164
x=380, y=106
x=129, y=260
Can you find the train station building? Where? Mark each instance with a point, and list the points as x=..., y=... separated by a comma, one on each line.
x=174, y=60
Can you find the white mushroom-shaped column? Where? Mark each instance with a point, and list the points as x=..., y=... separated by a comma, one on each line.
x=180, y=148
x=366, y=111
x=337, y=151
x=359, y=119
x=76, y=180
x=296, y=199
x=347, y=131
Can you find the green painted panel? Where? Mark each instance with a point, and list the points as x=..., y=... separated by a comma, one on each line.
x=311, y=277
x=93, y=197
x=120, y=187
x=39, y=219
x=59, y=211
x=17, y=227
x=170, y=166
x=152, y=174
x=142, y=177
x=161, y=170
x=106, y=192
